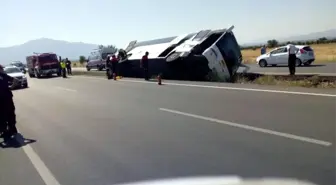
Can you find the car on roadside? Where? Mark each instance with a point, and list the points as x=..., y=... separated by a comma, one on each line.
x=15, y=72
x=97, y=59
x=19, y=65
x=279, y=56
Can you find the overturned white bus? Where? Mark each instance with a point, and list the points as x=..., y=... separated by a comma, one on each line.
x=208, y=54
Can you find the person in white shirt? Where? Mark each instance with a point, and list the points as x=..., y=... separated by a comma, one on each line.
x=292, y=50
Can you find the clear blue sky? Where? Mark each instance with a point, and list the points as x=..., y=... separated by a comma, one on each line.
x=120, y=21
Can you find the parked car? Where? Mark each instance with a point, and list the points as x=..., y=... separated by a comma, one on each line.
x=97, y=59
x=279, y=56
x=18, y=74
x=19, y=65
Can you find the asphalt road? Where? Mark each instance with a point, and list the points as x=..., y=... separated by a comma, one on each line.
x=90, y=131
x=324, y=69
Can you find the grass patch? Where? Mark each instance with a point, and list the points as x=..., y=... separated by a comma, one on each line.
x=282, y=80
x=323, y=53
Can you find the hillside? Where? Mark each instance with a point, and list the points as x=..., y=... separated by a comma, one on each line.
x=72, y=50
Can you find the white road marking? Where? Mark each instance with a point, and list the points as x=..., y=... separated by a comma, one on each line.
x=256, y=129
x=238, y=88
x=41, y=168
x=227, y=88
x=66, y=89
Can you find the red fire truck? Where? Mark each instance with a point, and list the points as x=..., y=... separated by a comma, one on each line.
x=43, y=64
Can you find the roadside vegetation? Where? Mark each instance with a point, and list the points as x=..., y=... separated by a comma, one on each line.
x=325, y=50
x=309, y=81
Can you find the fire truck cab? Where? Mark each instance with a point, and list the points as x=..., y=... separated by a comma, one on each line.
x=43, y=64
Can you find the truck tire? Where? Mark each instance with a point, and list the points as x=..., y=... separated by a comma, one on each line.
x=99, y=67
x=37, y=74
x=31, y=75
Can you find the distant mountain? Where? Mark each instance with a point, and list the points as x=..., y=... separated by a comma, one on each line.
x=329, y=34
x=71, y=50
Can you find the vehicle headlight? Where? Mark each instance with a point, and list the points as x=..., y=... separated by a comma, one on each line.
x=24, y=77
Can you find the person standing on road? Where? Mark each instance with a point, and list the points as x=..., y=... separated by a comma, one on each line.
x=108, y=64
x=291, y=58
x=114, y=63
x=144, y=65
x=68, y=66
x=263, y=50
x=63, y=66
x=7, y=107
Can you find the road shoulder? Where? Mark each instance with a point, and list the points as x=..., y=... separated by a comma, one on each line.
x=16, y=168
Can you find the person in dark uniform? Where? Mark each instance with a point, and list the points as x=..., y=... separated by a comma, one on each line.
x=114, y=63
x=7, y=107
x=108, y=64
x=68, y=66
x=291, y=58
x=144, y=65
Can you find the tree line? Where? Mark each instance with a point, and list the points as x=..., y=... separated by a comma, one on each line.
x=274, y=43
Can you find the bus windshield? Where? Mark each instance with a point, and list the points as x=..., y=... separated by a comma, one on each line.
x=230, y=50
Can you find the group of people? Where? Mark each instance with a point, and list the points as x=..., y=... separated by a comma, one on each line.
x=112, y=64
x=8, y=128
x=65, y=67
x=292, y=50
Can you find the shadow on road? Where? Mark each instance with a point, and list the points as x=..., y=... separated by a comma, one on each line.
x=19, y=142
x=20, y=89
x=48, y=77
x=316, y=65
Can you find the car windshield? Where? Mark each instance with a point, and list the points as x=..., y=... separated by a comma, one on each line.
x=12, y=70
x=17, y=64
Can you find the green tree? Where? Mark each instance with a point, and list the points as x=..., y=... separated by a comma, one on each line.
x=272, y=43
x=100, y=47
x=112, y=48
x=82, y=59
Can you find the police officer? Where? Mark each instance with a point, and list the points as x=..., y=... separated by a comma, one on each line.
x=68, y=66
x=7, y=108
x=144, y=65
x=63, y=67
x=291, y=58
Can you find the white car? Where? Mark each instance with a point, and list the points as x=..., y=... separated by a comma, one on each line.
x=18, y=74
x=279, y=56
